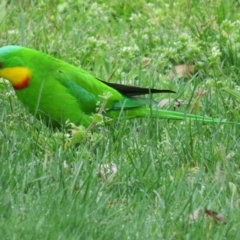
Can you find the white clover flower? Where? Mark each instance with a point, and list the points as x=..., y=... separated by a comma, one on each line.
x=101, y=43
x=149, y=4
x=105, y=18
x=10, y=32
x=216, y=52
x=135, y=16
x=94, y=6
x=136, y=48
x=130, y=51
x=227, y=24
x=126, y=49
x=10, y=93
x=123, y=75
x=145, y=37
x=209, y=82
x=92, y=39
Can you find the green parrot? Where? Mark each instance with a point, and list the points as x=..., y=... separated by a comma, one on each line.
x=56, y=91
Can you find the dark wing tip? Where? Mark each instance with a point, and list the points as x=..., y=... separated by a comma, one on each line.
x=130, y=91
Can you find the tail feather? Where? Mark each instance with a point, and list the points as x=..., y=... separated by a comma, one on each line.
x=171, y=115
x=163, y=114
x=166, y=114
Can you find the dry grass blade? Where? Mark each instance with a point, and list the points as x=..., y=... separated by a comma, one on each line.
x=182, y=70
x=218, y=217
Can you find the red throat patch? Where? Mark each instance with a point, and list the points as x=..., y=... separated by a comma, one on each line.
x=22, y=84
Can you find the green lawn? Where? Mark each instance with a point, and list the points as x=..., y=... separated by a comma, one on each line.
x=166, y=170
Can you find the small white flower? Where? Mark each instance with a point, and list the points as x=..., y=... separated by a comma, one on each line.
x=10, y=93
x=108, y=171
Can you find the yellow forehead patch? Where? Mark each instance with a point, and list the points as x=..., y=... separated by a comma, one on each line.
x=15, y=75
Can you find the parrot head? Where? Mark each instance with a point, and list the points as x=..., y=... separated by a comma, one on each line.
x=12, y=66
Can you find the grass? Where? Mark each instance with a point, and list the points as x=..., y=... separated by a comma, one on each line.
x=166, y=169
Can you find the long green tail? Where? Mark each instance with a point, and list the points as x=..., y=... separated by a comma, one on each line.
x=165, y=114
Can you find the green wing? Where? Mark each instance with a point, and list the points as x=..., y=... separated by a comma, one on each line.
x=89, y=91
